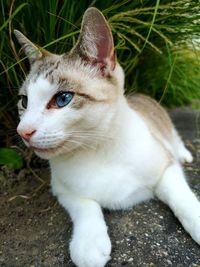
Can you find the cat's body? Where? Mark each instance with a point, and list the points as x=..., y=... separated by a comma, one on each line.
x=105, y=150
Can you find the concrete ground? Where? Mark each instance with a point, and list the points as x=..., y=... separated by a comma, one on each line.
x=35, y=231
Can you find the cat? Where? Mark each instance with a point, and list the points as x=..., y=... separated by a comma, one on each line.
x=105, y=150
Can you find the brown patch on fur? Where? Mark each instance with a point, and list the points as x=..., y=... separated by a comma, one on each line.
x=154, y=115
x=67, y=84
x=89, y=97
x=72, y=74
x=82, y=99
x=78, y=102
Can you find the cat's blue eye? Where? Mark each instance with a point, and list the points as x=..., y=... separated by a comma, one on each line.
x=60, y=100
x=24, y=100
x=63, y=98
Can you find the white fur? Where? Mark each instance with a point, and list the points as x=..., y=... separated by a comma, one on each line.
x=102, y=153
x=126, y=169
x=117, y=165
x=174, y=191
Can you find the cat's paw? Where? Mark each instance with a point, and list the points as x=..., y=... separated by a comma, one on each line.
x=192, y=225
x=91, y=250
x=185, y=155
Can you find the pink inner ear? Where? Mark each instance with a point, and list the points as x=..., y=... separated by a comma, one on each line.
x=104, y=46
x=105, y=49
x=96, y=43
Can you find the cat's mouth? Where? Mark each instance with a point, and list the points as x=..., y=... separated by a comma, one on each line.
x=48, y=150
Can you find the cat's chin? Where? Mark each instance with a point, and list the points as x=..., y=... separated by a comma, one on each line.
x=49, y=153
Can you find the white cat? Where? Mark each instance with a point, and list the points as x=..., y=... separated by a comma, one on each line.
x=105, y=150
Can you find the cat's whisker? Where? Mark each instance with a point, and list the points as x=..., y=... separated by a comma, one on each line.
x=81, y=144
x=91, y=132
x=94, y=137
x=20, y=143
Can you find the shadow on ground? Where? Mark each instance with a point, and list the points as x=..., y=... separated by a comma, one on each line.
x=35, y=232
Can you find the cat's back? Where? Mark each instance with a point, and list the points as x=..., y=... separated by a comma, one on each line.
x=154, y=115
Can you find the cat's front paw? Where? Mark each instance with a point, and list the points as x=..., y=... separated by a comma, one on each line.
x=91, y=250
x=194, y=229
x=192, y=224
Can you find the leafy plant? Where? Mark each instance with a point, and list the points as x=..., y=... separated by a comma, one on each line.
x=10, y=158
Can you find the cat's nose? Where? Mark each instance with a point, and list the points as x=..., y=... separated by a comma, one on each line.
x=26, y=134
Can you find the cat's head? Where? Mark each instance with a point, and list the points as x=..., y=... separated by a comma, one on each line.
x=70, y=101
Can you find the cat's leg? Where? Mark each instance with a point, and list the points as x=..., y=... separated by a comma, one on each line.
x=90, y=245
x=175, y=192
x=184, y=155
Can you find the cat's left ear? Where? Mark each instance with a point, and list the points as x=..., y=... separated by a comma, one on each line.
x=32, y=51
x=95, y=44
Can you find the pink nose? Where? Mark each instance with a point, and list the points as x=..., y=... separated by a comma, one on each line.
x=26, y=134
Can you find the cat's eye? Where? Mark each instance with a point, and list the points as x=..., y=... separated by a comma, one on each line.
x=60, y=99
x=24, y=100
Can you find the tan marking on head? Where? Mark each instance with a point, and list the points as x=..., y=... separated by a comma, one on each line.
x=74, y=76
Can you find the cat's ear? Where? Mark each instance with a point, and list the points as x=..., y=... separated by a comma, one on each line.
x=32, y=51
x=95, y=44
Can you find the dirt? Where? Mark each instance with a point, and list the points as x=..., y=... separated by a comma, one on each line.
x=35, y=231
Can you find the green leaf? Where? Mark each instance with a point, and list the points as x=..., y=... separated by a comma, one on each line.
x=10, y=158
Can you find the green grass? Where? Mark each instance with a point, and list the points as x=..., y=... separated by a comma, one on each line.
x=154, y=42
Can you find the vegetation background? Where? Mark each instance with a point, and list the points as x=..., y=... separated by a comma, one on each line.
x=157, y=43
